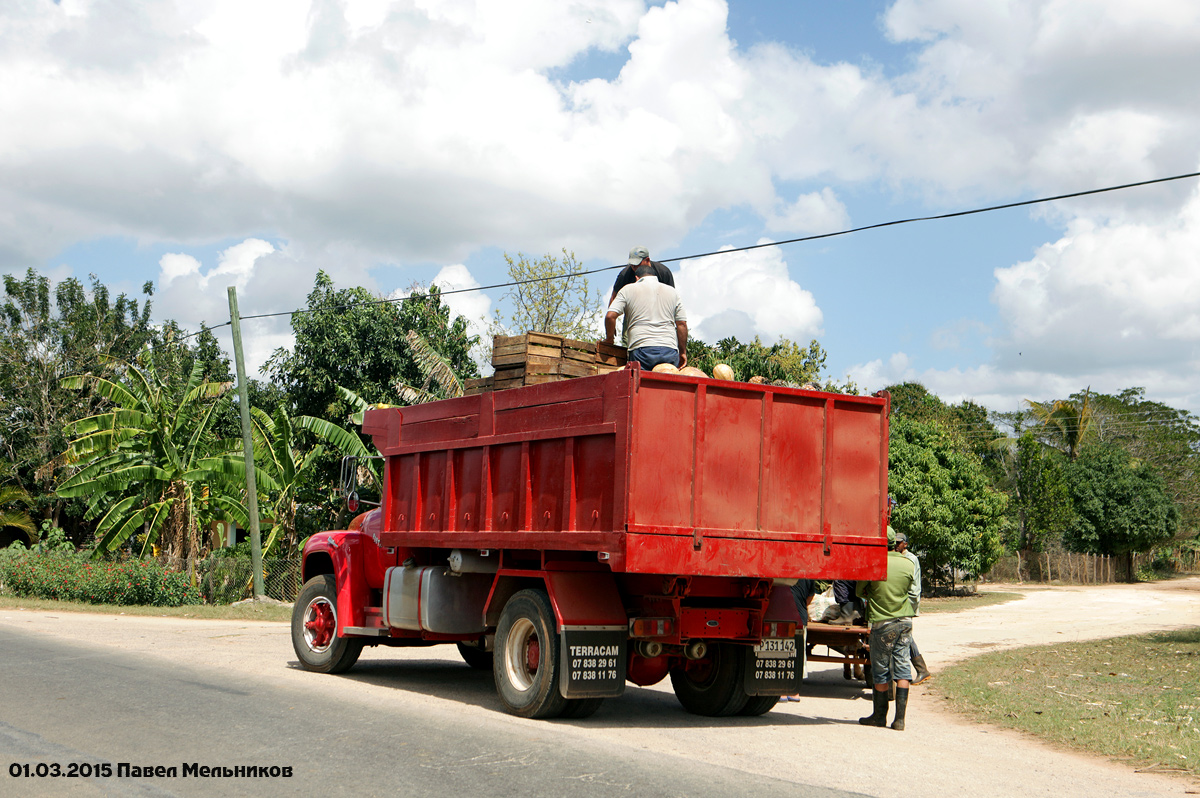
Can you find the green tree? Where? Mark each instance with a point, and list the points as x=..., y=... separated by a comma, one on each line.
x=1121, y=507
x=549, y=295
x=1161, y=436
x=954, y=519
x=142, y=464
x=1041, y=496
x=353, y=338
x=784, y=362
x=48, y=332
x=968, y=423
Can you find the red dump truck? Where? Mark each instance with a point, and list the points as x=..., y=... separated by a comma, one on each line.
x=577, y=535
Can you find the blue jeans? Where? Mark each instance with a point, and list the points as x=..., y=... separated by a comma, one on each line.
x=889, y=651
x=651, y=356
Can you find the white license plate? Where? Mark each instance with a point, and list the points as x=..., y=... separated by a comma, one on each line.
x=776, y=648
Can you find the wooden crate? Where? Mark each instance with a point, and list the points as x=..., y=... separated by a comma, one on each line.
x=477, y=386
x=537, y=358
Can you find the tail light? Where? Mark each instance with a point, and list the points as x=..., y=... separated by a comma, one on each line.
x=779, y=629
x=652, y=627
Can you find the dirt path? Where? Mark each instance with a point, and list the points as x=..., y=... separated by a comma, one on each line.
x=815, y=742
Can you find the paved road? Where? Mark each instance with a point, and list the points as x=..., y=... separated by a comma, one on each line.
x=418, y=722
x=64, y=702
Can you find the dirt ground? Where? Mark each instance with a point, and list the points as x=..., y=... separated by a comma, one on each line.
x=814, y=742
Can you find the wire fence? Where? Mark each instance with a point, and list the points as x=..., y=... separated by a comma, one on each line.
x=224, y=579
x=1090, y=569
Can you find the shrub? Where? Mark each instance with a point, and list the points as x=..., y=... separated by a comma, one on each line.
x=66, y=576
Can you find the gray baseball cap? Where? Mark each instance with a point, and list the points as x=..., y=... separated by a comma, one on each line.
x=637, y=255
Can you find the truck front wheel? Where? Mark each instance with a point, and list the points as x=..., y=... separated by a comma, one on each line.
x=527, y=657
x=314, y=629
x=712, y=686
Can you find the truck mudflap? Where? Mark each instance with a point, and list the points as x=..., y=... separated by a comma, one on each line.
x=593, y=661
x=774, y=667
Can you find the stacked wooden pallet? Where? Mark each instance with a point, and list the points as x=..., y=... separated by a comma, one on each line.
x=538, y=358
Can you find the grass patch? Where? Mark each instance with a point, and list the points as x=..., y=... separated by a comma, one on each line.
x=224, y=612
x=1134, y=698
x=960, y=603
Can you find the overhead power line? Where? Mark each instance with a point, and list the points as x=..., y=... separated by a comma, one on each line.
x=815, y=237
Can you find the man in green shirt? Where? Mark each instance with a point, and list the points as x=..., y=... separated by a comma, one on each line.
x=890, y=611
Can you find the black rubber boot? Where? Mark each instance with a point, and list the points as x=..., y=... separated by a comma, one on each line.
x=901, y=706
x=879, y=716
x=922, y=670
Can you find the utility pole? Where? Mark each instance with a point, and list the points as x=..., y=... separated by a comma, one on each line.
x=235, y=322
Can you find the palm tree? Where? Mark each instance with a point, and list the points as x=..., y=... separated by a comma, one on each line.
x=15, y=522
x=1066, y=421
x=440, y=380
x=143, y=465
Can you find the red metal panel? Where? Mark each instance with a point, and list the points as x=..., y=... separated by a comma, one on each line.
x=730, y=459
x=594, y=475
x=713, y=623
x=674, y=554
x=432, y=488
x=853, y=471
x=505, y=488
x=792, y=484
x=661, y=468
x=546, y=474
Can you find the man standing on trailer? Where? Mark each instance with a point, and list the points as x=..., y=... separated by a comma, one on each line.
x=890, y=612
x=637, y=256
x=655, y=323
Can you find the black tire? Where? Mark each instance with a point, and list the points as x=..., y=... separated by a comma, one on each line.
x=580, y=708
x=712, y=686
x=758, y=705
x=314, y=629
x=476, y=657
x=527, y=657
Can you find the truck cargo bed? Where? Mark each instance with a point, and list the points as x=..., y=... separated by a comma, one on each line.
x=654, y=473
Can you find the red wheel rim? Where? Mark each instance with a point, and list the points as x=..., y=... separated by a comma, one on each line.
x=320, y=624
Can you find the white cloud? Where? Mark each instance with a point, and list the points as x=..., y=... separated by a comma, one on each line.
x=1110, y=306
x=815, y=212
x=746, y=294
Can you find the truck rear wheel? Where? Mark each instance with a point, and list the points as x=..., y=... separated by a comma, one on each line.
x=314, y=629
x=580, y=708
x=712, y=686
x=758, y=705
x=527, y=657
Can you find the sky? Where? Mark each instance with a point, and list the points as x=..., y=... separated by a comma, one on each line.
x=208, y=143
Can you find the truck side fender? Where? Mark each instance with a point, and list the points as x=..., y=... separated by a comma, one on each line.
x=343, y=555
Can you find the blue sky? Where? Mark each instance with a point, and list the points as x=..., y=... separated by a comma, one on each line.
x=211, y=143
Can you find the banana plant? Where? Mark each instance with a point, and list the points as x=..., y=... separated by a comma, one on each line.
x=143, y=467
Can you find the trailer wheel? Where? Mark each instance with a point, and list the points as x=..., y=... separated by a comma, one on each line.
x=527, y=657
x=758, y=705
x=712, y=686
x=314, y=629
x=580, y=708
x=477, y=658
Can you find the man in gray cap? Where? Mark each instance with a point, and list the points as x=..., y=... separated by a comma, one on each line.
x=655, y=323
x=637, y=256
x=914, y=596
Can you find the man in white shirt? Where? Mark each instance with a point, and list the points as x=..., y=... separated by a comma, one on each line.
x=655, y=323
